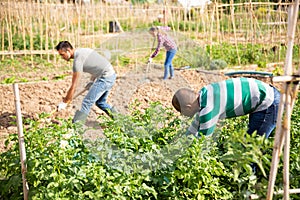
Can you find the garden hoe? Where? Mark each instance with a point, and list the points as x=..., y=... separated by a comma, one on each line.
x=149, y=62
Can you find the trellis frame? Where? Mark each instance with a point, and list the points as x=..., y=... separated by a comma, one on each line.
x=287, y=100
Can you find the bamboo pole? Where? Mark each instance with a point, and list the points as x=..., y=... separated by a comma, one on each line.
x=67, y=25
x=23, y=19
x=172, y=18
x=31, y=32
x=291, y=191
x=204, y=26
x=212, y=25
x=280, y=6
x=287, y=102
x=286, y=131
x=47, y=30
x=218, y=22
x=234, y=30
x=9, y=28
x=251, y=29
x=106, y=17
x=286, y=78
x=93, y=23
x=289, y=107
x=21, y=141
x=56, y=32
x=78, y=11
x=2, y=38
x=221, y=28
x=85, y=13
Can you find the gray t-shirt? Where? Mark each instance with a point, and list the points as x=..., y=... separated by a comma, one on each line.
x=88, y=60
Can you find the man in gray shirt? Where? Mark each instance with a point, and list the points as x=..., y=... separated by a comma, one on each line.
x=103, y=77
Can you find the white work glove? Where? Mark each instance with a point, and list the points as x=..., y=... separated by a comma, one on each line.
x=89, y=85
x=149, y=60
x=61, y=106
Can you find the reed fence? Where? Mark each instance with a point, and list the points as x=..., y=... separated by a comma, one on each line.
x=35, y=28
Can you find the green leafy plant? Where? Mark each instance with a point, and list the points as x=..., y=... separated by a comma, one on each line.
x=60, y=77
x=217, y=65
x=145, y=155
x=278, y=71
x=9, y=80
x=123, y=61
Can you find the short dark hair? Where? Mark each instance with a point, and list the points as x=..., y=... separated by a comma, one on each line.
x=176, y=103
x=182, y=98
x=153, y=28
x=63, y=45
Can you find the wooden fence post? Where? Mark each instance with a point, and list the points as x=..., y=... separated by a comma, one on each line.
x=21, y=140
x=287, y=100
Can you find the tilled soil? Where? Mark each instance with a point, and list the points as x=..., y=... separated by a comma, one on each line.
x=37, y=97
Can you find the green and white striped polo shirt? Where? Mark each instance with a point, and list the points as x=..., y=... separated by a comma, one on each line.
x=230, y=98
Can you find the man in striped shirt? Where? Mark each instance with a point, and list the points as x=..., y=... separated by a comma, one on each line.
x=230, y=98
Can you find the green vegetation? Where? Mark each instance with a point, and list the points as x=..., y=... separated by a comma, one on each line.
x=19, y=64
x=9, y=80
x=14, y=69
x=215, y=57
x=250, y=53
x=18, y=42
x=145, y=156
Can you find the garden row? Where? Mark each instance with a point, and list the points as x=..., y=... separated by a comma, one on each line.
x=145, y=155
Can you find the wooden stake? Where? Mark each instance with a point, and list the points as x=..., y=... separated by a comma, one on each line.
x=21, y=140
x=286, y=131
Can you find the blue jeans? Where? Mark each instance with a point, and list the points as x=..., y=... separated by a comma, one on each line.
x=263, y=122
x=168, y=63
x=98, y=94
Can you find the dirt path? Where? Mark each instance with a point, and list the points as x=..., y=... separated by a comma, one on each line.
x=135, y=84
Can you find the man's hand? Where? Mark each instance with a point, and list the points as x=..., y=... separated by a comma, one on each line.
x=61, y=106
x=89, y=85
x=149, y=60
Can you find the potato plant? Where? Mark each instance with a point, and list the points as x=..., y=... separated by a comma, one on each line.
x=145, y=155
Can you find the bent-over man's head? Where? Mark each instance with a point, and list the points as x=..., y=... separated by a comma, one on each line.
x=65, y=49
x=185, y=102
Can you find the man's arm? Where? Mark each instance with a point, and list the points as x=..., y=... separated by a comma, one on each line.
x=71, y=91
x=194, y=127
x=198, y=128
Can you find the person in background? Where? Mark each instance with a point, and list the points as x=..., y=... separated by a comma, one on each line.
x=226, y=99
x=103, y=77
x=163, y=39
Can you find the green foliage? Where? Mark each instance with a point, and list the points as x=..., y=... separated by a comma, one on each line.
x=26, y=64
x=145, y=155
x=217, y=65
x=278, y=71
x=18, y=42
x=295, y=147
x=60, y=77
x=259, y=54
x=123, y=60
x=193, y=56
x=9, y=80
